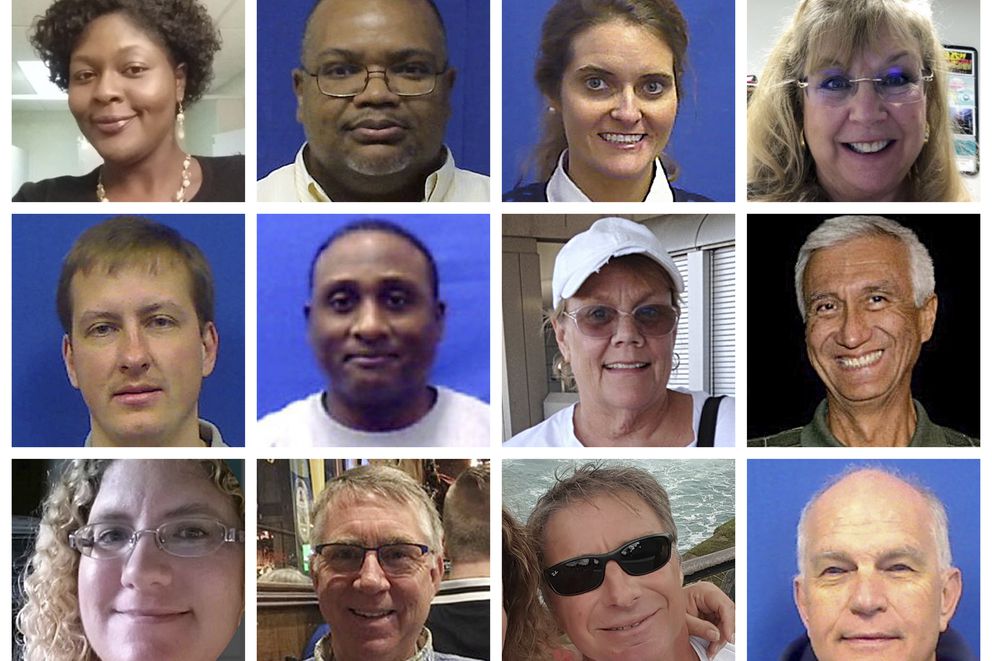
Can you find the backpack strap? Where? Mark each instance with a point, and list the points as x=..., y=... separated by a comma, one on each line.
x=707, y=421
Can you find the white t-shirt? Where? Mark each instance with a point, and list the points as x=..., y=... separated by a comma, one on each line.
x=558, y=431
x=728, y=653
x=455, y=420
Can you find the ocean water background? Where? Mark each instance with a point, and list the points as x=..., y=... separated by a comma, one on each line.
x=701, y=491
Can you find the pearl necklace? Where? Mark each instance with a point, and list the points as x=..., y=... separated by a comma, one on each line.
x=101, y=194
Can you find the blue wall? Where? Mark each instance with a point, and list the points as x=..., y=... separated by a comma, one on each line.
x=287, y=370
x=703, y=139
x=280, y=31
x=777, y=490
x=47, y=410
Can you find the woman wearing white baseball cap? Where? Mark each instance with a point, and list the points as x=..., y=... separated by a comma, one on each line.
x=615, y=293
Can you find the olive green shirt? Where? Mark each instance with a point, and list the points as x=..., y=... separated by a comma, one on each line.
x=817, y=434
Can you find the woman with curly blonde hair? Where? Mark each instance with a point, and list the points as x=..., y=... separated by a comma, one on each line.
x=852, y=106
x=94, y=588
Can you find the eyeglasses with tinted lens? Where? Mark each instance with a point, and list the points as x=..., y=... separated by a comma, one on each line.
x=586, y=573
x=897, y=86
x=346, y=79
x=399, y=559
x=602, y=320
x=185, y=538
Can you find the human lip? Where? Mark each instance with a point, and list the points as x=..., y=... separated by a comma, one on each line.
x=370, y=360
x=860, y=361
x=377, y=129
x=371, y=615
x=624, y=140
x=627, y=365
x=629, y=624
x=112, y=124
x=868, y=147
x=137, y=394
x=869, y=639
x=152, y=615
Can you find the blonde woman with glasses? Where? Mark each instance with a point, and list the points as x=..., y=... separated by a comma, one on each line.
x=852, y=107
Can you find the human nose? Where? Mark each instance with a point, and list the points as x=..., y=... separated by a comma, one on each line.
x=855, y=329
x=627, y=330
x=135, y=355
x=626, y=108
x=866, y=105
x=868, y=595
x=370, y=322
x=620, y=589
x=376, y=90
x=371, y=577
x=145, y=564
x=107, y=87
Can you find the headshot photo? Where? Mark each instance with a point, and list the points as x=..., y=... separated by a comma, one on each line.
x=373, y=331
x=871, y=318
x=128, y=101
x=363, y=559
x=623, y=559
x=853, y=101
x=129, y=559
x=873, y=559
x=128, y=331
x=373, y=101
x=609, y=101
x=619, y=332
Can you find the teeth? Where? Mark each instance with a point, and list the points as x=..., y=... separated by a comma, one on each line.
x=370, y=614
x=863, y=361
x=622, y=138
x=625, y=628
x=869, y=147
x=625, y=366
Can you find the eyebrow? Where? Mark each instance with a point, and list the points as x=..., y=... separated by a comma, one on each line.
x=886, y=286
x=592, y=68
x=395, y=56
x=189, y=509
x=143, y=311
x=905, y=551
x=828, y=64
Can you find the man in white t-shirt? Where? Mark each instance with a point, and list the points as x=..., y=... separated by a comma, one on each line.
x=374, y=321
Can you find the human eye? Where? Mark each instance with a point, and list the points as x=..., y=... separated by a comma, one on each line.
x=877, y=300
x=337, y=70
x=110, y=536
x=341, y=302
x=655, y=87
x=82, y=76
x=649, y=314
x=596, y=84
x=134, y=70
x=599, y=314
x=896, y=78
x=161, y=322
x=823, y=307
x=397, y=299
x=834, y=83
x=833, y=570
x=101, y=329
x=412, y=69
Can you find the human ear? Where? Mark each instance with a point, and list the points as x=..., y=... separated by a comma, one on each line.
x=210, y=343
x=67, y=358
x=927, y=318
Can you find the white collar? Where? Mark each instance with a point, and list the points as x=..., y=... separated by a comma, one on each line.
x=561, y=188
x=436, y=186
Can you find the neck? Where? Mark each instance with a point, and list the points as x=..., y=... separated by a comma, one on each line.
x=345, y=185
x=469, y=569
x=600, y=189
x=186, y=435
x=156, y=177
x=380, y=415
x=665, y=423
x=888, y=423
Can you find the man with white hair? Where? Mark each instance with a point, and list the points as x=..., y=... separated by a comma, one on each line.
x=875, y=575
x=865, y=288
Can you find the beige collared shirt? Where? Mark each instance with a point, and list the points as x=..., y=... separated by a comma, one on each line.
x=294, y=183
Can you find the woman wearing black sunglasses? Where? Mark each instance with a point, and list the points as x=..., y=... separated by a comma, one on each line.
x=616, y=307
x=612, y=575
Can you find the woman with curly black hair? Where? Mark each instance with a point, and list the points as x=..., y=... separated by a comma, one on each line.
x=131, y=68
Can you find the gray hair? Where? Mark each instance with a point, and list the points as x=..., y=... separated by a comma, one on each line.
x=938, y=515
x=834, y=231
x=592, y=480
x=384, y=482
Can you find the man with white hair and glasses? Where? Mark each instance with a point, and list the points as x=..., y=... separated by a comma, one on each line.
x=865, y=289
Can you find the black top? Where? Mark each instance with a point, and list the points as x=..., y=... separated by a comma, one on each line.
x=538, y=193
x=223, y=181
